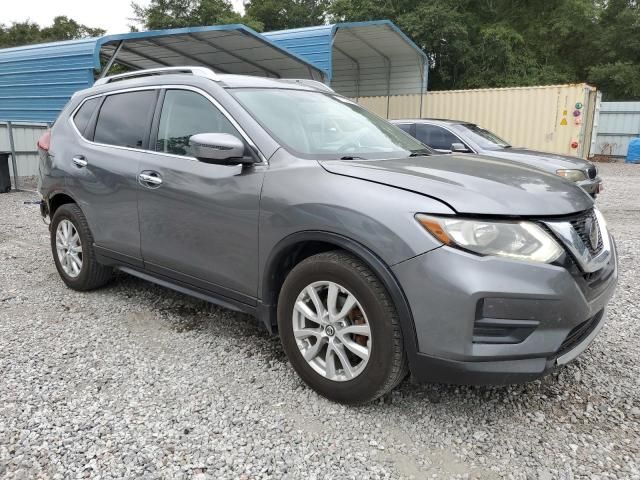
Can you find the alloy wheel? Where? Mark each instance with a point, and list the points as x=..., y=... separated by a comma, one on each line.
x=332, y=331
x=69, y=248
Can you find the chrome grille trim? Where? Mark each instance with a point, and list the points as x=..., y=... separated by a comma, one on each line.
x=589, y=260
x=580, y=222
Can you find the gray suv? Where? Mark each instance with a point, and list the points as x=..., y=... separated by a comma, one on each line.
x=367, y=253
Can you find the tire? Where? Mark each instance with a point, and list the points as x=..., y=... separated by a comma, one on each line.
x=386, y=364
x=91, y=275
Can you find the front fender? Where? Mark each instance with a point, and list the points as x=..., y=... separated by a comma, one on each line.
x=299, y=195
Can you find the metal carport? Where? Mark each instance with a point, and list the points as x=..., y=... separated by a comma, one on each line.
x=360, y=59
x=36, y=81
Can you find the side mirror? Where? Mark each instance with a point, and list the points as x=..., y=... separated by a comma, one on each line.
x=459, y=147
x=218, y=148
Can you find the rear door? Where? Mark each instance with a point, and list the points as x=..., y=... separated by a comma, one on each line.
x=198, y=221
x=104, y=166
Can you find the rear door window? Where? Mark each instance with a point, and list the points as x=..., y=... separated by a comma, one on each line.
x=186, y=113
x=124, y=119
x=84, y=114
x=436, y=137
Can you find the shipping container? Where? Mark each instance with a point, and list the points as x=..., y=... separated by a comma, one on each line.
x=554, y=118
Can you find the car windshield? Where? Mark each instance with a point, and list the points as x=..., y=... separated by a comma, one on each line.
x=483, y=138
x=318, y=125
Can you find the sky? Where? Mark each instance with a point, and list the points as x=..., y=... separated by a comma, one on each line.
x=112, y=15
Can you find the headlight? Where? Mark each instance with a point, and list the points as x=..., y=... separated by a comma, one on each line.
x=520, y=240
x=572, y=175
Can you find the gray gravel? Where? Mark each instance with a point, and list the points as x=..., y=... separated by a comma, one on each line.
x=135, y=380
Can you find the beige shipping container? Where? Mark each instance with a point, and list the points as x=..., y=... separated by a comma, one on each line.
x=540, y=118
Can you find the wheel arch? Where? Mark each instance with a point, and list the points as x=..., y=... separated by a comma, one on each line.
x=57, y=199
x=296, y=247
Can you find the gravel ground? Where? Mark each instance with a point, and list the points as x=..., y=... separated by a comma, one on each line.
x=134, y=380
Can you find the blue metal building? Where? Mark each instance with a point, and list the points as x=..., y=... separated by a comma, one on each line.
x=356, y=59
x=360, y=59
x=36, y=81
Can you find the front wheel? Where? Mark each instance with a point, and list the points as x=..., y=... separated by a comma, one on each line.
x=340, y=330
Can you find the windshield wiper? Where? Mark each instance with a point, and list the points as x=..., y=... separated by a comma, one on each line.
x=419, y=153
x=350, y=157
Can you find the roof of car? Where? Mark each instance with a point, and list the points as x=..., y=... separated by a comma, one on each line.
x=174, y=75
x=434, y=121
x=249, y=81
x=120, y=82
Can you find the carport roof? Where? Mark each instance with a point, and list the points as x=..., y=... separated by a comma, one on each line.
x=224, y=48
x=37, y=80
x=360, y=58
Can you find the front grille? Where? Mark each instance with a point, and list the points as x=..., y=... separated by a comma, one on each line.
x=579, y=224
x=592, y=172
x=580, y=332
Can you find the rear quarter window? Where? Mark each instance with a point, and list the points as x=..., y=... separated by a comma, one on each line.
x=84, y=114
x=125, y=119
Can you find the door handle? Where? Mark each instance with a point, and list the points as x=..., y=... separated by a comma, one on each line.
x=79, y=161
x=151, y=178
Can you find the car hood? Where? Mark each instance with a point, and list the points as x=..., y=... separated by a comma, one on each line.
x=474, y=185
x=545, y=161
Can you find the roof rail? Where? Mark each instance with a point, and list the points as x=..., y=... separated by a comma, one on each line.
x=198, y=71
x=309, y=83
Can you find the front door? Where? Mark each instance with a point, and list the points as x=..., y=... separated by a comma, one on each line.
x=436, y=137
x=198, y=221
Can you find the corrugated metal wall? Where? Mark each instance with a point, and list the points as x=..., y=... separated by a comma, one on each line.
x=311, y=43
x=617, y=124
x=25, y=138
x=36, y=81
x=539, y=118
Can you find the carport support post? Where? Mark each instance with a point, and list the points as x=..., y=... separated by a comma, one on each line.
x=388, y=85
x=109, y=64
x=424, y=72
x=14, y=164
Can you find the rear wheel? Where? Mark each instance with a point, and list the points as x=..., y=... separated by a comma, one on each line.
x=72, y=247
x=340, y=329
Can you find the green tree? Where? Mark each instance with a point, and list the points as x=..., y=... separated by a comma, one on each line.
x=20, y=33
x=616, y=70
x=445, y=32
x=469, y=43
x=62, y=28
x=496, y=43
x=160, y=14
x=281, y=14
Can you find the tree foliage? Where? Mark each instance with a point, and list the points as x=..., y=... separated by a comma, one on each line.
x=62, y=28
x=159, y=14
x=281, y=14
x=496, y=43
x=469, y=43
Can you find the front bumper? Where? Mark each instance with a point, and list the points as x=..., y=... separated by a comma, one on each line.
x=490, y=320
x=592, y=186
